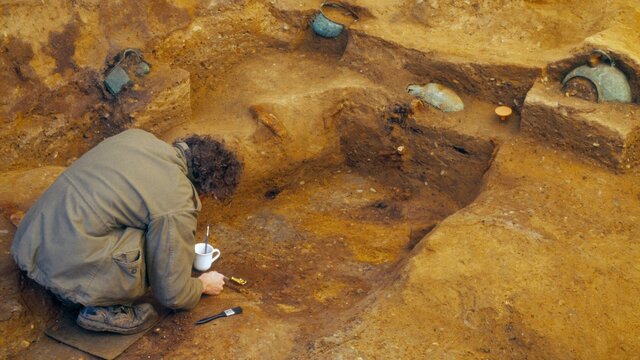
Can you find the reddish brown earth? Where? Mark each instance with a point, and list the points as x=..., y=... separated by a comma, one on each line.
x=367, y=225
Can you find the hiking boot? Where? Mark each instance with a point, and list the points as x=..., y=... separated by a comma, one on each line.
x=121, y=319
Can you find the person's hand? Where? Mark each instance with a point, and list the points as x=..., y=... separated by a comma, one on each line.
x=212, y=283
x=16, y=217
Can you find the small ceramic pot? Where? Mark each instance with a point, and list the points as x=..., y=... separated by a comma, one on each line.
x=327, y=28
x=611, y=83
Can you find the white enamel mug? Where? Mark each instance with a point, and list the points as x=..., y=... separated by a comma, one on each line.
x=204, y=259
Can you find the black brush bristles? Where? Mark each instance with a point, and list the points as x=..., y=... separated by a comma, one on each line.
x=234, y=311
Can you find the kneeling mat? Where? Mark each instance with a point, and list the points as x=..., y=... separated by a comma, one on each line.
x=102, y=344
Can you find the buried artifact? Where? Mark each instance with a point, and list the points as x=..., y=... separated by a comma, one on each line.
x=503, y=112
x=332, y=19
x=609, y=82
x=118, y=76
x=438, y=96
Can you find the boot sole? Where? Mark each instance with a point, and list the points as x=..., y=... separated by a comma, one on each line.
x=100, y=326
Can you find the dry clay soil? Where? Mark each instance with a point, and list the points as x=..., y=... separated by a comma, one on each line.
x=368, y=227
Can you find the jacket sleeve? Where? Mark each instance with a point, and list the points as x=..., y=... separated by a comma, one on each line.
x=169, y=256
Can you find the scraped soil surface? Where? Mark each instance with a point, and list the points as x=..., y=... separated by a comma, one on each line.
x=367, y=224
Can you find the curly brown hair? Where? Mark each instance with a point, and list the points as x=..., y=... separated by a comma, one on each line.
x=214, y=170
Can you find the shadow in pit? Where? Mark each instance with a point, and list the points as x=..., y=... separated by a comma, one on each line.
x=403, y=152
x=332, y=48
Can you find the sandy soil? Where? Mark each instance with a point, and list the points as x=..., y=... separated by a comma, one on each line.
x=475, y=241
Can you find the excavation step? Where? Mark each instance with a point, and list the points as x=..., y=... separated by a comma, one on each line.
x=607, y=133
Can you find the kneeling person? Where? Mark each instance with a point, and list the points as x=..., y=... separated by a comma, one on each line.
x=121, y=218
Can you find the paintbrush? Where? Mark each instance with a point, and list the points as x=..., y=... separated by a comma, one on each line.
x=226, y=313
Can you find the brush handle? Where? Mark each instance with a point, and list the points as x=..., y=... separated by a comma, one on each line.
x=206, y=239
x=207, y=319
x=226, y=313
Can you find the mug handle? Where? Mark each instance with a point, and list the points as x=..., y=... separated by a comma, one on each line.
x=214, y=258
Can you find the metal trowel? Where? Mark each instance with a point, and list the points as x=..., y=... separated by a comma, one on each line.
x=239, y=281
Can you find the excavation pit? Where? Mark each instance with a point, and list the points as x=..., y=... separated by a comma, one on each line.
x=330, y=235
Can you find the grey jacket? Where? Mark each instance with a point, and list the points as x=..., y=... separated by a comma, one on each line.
x=122, y=217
